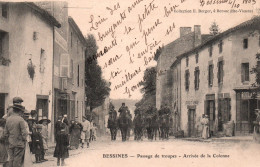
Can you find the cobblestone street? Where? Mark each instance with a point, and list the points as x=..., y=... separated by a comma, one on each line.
x=174, y=152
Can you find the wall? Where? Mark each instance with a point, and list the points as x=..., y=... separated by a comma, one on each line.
x=233, y=55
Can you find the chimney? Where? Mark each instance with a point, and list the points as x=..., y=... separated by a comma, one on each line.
x=197, y=35
x=184, y=31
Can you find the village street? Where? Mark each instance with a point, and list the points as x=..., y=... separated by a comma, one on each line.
x=174, y=152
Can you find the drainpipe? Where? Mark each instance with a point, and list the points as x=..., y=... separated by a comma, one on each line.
x=52, y=94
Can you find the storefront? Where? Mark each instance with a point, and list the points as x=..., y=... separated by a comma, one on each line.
x=245, y=111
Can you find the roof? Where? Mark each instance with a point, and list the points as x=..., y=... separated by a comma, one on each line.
x=76, y=28
x=43, y=13
x=188, y=37
x=254, y=21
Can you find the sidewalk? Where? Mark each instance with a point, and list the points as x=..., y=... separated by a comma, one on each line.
x=236, y=139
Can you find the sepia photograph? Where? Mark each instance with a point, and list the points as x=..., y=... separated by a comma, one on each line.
x=157, y=83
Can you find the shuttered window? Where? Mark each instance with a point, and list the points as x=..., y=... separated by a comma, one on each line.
x=187, y=80
x=210, y=75
x=244, y=72
x=245, y=43
x=220, y=46
x=4, y=10
x=197, y=78
x=220, y=71
x=64, y=65
x=210, y=50
x=197, y=57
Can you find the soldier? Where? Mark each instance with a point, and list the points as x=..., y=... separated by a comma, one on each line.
x=112, y=124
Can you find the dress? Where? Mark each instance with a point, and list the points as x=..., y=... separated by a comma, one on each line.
x=45, y=137
x=205, y=131
x=3, y=149
x=37, y=143
x=75, y=133
x=62, y=143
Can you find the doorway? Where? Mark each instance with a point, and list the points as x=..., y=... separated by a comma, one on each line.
x=191, y=123
x=210, y=111
x=2, y=105
x=42, y=106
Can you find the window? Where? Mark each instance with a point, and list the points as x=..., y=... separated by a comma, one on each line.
x=259, y=41
x=78, y=76
x=220, y=72
x=220, y=46
x=245, y=43
x=71, y=69
x=197, y=78
x=77, y=46
x=197, y=57
x=210, y=50
x=210, y=77
x=187, y=81
x=42, y=61
x=71, y=39
x=64, y=65
x=4, y=10
x=1, y=44
x=187, y=61
x=245, y=72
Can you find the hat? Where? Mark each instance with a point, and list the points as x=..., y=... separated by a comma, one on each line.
x=19, y=107
x=44, y=118
x=38, y=126
x=17, y=100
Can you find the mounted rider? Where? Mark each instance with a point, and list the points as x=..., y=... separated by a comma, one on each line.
x=112, y=122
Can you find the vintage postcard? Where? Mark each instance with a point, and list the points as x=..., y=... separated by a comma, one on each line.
x=130, y=83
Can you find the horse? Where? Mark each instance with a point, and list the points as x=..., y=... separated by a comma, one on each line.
x=138, y=126
x=124, y=122
x=165, y=123
x=112, y=124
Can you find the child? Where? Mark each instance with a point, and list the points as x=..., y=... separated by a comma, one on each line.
x=44, y=121
x=37, y=143
x=62, y=143
x=3, y=149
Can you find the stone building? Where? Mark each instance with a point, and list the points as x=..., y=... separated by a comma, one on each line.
x=69, y=67
x=26, y=56
x=164, y=92
x=76, y=80
x=214, y=79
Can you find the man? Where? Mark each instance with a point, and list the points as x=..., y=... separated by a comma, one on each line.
x=112, y=123
x=16, y=133
x=85, y=134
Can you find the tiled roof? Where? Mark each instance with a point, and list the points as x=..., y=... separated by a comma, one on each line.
x=255, y=21
x=43, y=13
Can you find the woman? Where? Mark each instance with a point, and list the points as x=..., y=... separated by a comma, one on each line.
x=75, y=133
x=205, y=124
x=3, y=148
x=44, y=121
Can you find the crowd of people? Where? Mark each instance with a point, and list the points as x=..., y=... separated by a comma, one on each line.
x=23, y=135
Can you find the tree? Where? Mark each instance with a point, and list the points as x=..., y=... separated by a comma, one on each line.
x=97, y=89
x=214, y=29
x=148, y=90
x=256, y=85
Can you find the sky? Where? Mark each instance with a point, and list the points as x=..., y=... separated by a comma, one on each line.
x=132, y=27
x=109, y=10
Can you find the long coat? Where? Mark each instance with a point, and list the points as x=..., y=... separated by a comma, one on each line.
x=62, y=143
x=37, y=143
x=75, y=133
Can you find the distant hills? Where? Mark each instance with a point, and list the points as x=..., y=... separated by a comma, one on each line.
x=128, y=102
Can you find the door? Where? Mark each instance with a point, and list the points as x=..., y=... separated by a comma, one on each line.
x=2, y=105
x=191, y=123
x=211, y=113
x=252, y=115
x=42, y=108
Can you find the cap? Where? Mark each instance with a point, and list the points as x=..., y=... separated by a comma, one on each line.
x=17, y=100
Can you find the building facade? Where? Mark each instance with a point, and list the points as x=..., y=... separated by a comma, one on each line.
x=215, y=80
x=26, y=53
x=167, y=89
x=76, y=79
